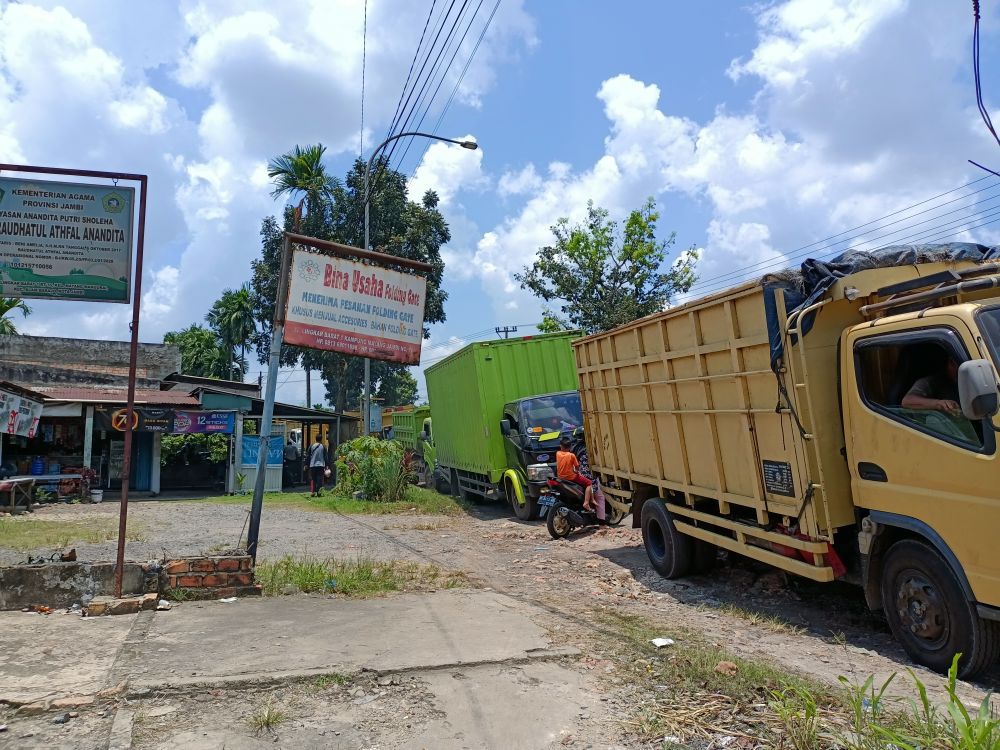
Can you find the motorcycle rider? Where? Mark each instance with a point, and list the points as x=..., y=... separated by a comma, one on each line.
x=568, y=469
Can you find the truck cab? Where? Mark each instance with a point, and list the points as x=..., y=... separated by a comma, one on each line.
x=532, y=428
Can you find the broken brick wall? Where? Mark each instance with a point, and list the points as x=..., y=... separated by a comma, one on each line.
x=210, y=577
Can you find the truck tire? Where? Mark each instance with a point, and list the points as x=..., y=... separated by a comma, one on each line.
x=526, y=512
x=670, y=552
x=929, y=613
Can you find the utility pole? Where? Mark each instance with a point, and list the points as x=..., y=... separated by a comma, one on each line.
x=506, y=331
x=472, y=146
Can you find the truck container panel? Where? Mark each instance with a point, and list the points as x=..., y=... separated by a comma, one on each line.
x=407, y=425
x=468, y=390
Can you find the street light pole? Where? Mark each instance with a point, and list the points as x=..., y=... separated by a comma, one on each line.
x=472, y=146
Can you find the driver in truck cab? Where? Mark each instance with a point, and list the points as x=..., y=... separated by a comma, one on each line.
x=568, y=469
x=938, y=392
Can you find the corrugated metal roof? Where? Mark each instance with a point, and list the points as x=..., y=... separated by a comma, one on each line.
x=116, y=395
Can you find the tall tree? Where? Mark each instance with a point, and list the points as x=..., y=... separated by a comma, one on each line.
x=233, y=318
x=397, y=388
x=398, y=227
x=7, y=306
x=202, y=353
x=602, y=274
x=300, y=173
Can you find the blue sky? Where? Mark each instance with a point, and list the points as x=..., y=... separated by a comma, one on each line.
x=758, y=128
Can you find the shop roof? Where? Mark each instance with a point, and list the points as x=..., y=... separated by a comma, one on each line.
x=287, y=411
x=20, y=390
x=143, y=396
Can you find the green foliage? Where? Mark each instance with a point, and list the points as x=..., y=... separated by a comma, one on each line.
x=602, y=275
x=233, y=319
x=397, y=388
x=202, y=354
x=361, y=577
x=193, y=448
x=335, y=210
x=7, y=306
x=373, y=467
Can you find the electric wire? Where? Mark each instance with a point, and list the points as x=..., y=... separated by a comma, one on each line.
x=804, y=250
x=458, y=83
x=441, y=80
x=364, y=61
x=983, y=109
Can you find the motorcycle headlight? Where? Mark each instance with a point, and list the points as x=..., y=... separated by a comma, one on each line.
x=539, y=472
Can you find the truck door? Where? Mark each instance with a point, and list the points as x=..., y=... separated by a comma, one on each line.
x=512, y=442
x=933, y=468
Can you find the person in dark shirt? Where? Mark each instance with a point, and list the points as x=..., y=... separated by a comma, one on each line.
x=938, y=392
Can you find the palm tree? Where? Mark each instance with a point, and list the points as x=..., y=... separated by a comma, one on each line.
x=7, y=306
x=300, y=172
x=232, y=317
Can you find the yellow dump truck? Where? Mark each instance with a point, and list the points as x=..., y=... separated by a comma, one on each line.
x=837, y=423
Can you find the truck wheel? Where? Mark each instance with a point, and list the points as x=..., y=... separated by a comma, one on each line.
x=526, y=512
x=669, y=551
x=929, y=613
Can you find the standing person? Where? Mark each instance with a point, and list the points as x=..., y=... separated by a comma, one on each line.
x=292, y=463
x=317, y=466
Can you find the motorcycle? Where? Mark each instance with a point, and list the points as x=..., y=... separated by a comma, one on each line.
x=562, y=502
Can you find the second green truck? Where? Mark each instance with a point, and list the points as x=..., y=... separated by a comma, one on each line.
x=499, y=408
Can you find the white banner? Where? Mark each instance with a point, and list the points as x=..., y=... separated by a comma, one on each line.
x=350, y=307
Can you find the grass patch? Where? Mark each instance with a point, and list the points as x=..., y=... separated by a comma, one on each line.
x=759, y=619
x=701, y=692
x=419, y=501
x=359, y=578
x=26, y=533
x=336, y=679
x=266, y=719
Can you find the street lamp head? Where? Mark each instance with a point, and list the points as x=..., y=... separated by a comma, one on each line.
x=471, y=145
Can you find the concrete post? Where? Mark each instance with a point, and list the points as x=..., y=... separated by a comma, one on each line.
x=88, y=437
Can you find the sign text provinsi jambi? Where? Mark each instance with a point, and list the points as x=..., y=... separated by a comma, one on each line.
x=65, y=240
x=347, y=306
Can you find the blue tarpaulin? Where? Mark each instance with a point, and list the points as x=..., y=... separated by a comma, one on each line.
x=811, y=282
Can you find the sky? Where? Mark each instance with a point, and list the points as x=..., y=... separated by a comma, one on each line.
x=761, y=130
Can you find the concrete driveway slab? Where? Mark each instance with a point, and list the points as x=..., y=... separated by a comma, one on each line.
x=58, y=655
x=282, y=637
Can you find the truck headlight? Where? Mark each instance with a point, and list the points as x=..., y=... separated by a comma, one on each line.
x=539, y=472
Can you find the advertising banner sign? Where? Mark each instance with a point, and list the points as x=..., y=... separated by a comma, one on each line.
x=347, y=306
x=19, y=415
x=144, y=419
x=251, y=451
x=65, y=240
x=204, y=421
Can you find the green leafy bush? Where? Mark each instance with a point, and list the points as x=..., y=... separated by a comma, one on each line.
x=374, y=467
x=193, y=448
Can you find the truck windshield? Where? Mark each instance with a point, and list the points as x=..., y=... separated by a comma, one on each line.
x=546, y=417
x=989, y=324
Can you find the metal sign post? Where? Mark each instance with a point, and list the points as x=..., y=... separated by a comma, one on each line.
x=69, y=204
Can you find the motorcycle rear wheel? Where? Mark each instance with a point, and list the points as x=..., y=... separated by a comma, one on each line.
x=558, y=525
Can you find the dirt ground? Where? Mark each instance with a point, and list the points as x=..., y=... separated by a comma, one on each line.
x=823, y=631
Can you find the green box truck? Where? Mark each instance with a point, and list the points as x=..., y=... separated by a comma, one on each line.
x=499, y=409
x=412, y=428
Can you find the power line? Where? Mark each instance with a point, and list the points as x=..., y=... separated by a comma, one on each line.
x=441, y=80
x=458, y=83
x=983, y=109
x=416, y=54
x=807, y=249
x=364, y=60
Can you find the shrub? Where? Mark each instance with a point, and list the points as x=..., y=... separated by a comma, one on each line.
x=374, y=467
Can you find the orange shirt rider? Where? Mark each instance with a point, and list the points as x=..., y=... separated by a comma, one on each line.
x=568, y=469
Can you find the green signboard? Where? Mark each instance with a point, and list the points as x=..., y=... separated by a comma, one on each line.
x=65, y=240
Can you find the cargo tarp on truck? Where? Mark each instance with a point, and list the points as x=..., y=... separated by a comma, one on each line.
x=814, y=279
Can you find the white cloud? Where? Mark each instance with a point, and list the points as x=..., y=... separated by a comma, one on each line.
x=447, y=168
x=835, y=136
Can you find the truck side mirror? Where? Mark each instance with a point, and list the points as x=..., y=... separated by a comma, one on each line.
x=977, y=389
x=505, y=427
